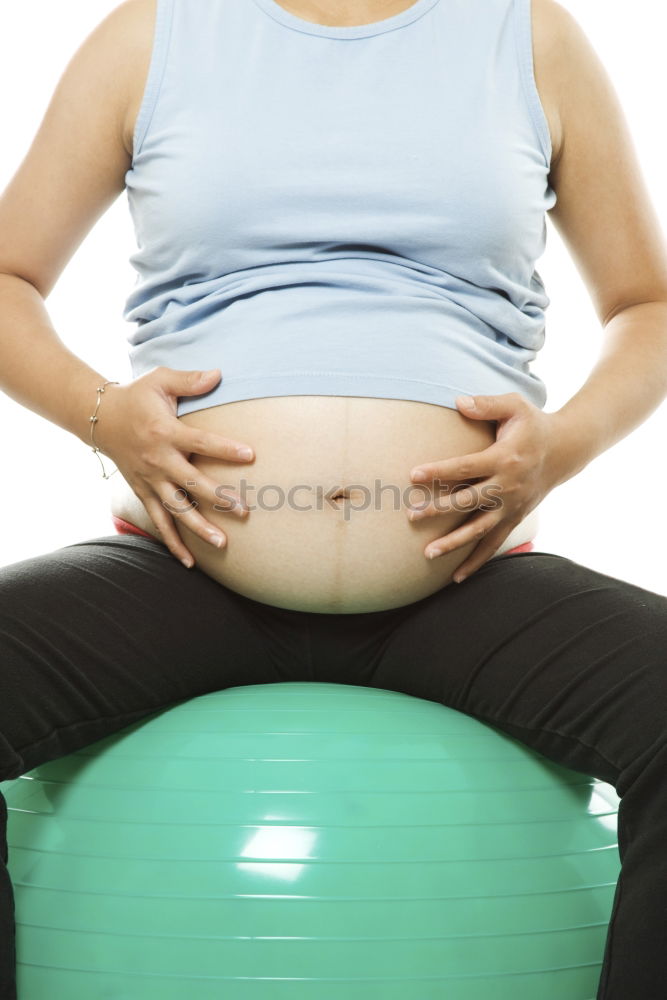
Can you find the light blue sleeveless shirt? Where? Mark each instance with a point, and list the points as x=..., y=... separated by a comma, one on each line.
x=346, y=211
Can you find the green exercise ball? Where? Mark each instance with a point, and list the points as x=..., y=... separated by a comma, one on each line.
x=310, y=841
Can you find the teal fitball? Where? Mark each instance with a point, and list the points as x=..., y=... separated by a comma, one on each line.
x=310, y=841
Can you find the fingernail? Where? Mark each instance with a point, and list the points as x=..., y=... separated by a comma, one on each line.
x=244, y=453
x=216, y=540
x=188, y=563
x=467, y=401
x=432, y=553
x=419, y=474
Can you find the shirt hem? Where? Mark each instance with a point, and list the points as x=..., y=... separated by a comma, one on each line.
x=329, y=384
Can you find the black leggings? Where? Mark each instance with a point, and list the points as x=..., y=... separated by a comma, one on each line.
x=572, y=662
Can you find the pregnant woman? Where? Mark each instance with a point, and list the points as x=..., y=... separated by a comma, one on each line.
x=338, y=208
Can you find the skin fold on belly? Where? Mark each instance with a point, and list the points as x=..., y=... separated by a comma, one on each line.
x=299, y=547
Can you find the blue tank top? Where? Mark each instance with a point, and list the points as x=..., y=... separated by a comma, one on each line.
x=346, y=211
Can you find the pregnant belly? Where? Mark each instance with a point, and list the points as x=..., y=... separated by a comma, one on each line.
x=299, y=547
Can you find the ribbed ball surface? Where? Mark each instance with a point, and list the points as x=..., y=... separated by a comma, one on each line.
x=310, y=841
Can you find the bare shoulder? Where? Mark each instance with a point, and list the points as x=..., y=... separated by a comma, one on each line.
x=123, y=41
x=76, y=164
x=567, y=67
x=604, y=211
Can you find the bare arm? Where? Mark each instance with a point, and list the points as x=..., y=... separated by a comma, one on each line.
x=607, y=222
x=72, y=173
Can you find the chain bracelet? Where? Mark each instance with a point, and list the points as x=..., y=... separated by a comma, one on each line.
x=93, y=421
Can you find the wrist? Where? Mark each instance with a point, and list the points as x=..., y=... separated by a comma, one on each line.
x=82, y=395
x=100, y=418
x=570, y=453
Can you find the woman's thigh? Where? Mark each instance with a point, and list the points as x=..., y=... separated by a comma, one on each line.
x=97, y=634
x=568, y=659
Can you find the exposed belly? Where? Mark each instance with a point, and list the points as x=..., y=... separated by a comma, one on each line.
x=298, y=547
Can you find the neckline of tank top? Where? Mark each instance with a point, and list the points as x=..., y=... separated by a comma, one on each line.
x=404, y=17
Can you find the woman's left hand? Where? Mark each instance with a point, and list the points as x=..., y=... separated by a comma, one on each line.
x=515, y=473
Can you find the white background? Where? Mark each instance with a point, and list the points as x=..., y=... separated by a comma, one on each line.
x=609, y=517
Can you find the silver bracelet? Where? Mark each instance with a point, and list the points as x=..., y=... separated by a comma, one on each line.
x=93, y=421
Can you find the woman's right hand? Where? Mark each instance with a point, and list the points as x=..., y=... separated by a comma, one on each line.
x=139, y=430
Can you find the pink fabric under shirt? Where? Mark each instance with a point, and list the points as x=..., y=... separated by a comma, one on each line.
x=126, y=528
